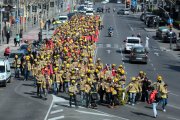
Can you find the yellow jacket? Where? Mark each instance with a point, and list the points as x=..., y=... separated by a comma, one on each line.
x=132, y=87
x=164, y=92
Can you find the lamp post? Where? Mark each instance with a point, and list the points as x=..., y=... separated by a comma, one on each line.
x=2, y=9
x=170, y=24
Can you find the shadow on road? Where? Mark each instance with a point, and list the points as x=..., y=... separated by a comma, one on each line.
x=30, y=85
x=142, y=114
x=174, y=67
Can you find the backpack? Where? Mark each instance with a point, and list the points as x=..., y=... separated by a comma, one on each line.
x=152, y=96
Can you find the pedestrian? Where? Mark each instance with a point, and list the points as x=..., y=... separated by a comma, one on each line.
x=154, y=99
x=7, y=36
x=164, y=96
x=147, y=42
x=7, y=51
x=72, y=93
x=17, y=39
x=145, y=90
x=87, y=90
x=17, y=63
x=139, y=35
x=132, y=89
x=21, y=35
x=39, y=78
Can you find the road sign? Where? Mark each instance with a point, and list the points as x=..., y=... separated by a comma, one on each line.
x=170, y=21
x=134, y=3
x=17, y=20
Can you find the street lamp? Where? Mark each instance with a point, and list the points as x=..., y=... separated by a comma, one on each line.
x=2, y=10
x=170, y=24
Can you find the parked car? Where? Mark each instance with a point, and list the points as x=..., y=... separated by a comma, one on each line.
x=161, y=32
x=81, y=9
x=118, y=2
x=99, y=9
x=89, y=12
x=143, y=15
x=178, y=44
x=5, y=72
x=63, y=18
x=138, y=54
x=168, y=36
x=151, y=19
x=123, y=12
x=12, y=56
x=130, y=42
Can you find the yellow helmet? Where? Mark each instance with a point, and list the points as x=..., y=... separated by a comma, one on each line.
x=89, y=71
x=122, y=72
x=73, y=81
x=141, y=72
x=159, y=77
x=120, y=66
x=133, y=78
x=113, y=65
x=115, y=79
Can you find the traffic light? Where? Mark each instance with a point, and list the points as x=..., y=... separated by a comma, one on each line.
x=127, y=4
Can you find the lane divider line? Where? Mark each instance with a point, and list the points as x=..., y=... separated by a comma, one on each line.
x=56, y=111
x=56, y=118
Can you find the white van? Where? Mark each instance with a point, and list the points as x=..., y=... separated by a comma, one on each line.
x=5, y=72
x=90, y=11
x=130, y=42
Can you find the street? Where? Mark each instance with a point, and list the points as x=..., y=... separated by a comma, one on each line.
x=19, y=101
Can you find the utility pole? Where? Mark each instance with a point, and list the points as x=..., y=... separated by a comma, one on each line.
x=170, y=25
x=2, y=9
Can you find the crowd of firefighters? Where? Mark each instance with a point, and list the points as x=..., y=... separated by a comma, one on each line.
x=65, y=63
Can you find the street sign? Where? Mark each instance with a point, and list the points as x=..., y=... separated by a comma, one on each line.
x=17, y=20
x=170, y=21
x=134, y=3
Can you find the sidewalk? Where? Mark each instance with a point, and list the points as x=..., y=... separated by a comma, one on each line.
x=31, y=34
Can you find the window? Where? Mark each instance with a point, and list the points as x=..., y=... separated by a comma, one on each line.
x=139, y=50
x=2, y=69
x=133, y=41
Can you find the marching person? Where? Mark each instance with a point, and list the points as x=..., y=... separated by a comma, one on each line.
x=17, y=64
x=132, y=89
x=72, y=93
x=164, y=96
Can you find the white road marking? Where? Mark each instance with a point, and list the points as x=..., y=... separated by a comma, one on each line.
x=131, y=27
x=54, y=106
x=173, y=94
x=172, y=118
x=55, y=99
x=100, y=114
x=73, y=106
x=154, y=69
x=108, y=45
x=157, y=54
x=93, y=113
x=152, y=65
x=56, y=111
x=108, y=51
x=173, y=106
x=110, y=114
x=48, y=110
x=56, y=118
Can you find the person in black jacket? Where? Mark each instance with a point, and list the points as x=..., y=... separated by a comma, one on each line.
x=145, y=89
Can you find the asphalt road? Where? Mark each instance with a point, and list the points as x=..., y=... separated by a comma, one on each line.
x=110, y=50
x=19, y=101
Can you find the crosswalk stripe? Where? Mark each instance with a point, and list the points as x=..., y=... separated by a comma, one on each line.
x=55, y=106
x=108, y=45
x=56, y=118
x=56, y=111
